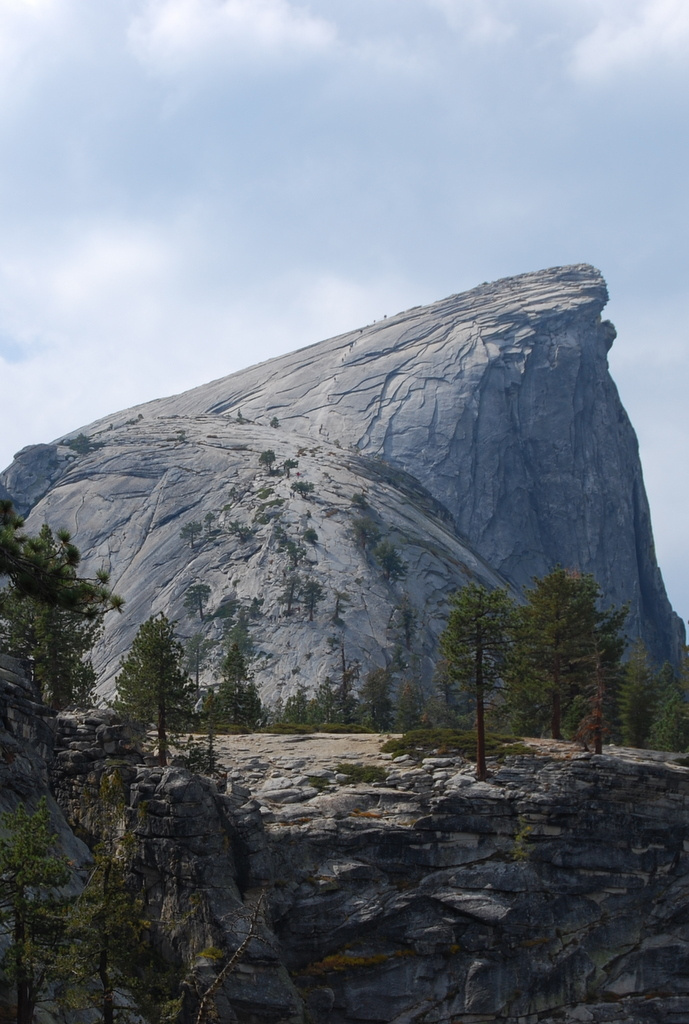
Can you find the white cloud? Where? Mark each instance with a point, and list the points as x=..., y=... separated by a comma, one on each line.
x=629, y=34
x=24, y=25
x=173, y=35
x=480, y=21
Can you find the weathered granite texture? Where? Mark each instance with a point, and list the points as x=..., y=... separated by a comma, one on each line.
x=556, y=891
x=27, y=733
x=485, y=430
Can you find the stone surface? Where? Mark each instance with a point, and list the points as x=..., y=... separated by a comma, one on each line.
x=556, y=891
x=484, y=430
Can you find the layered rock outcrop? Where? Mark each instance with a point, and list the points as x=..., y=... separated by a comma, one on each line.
x=556, y=891
x=484, y=431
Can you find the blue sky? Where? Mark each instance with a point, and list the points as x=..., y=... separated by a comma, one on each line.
x=189, y=186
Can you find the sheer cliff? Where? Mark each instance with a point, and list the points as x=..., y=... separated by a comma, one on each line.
x=556, y=891
x=484, y=432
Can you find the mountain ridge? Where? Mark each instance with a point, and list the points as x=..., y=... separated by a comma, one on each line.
x=497, y=402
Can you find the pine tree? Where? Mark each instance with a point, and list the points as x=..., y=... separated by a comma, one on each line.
x=638, y=698
x=311, y=592
x=560, y=635
x=196, y=651
x=375, y=700
x=32, y=907
x=323, y=706
x=408, y=707
x=49, y=575
x=59, y=640
x=196, y=597
x=474, y=644
x=389, y=560
x=670, y=728
x=406, y=619
x=238, y=699
x=106, y=927
x=296, y=709
x=152, y=686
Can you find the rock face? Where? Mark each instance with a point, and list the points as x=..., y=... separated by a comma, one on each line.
x=556, y=891
x=484, y=431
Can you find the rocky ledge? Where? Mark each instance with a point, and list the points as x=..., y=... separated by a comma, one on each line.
x=558, y=890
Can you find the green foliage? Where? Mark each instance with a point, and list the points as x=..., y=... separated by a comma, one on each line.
x=267, y=458
x=239, y=530
x=343, y=728
x=289, y=728
x=521, y=851
x=32, y=908
x=474, y=644
x=408, y=707
x=638, y=698
x=82, y=445
x=341, y=599
x=290, y=594
x=200, y=755
x=311, y=593
x=275, y=422
x=288, y=465
x=365, y=531
x=420, y=743
x=152, y=685
x=238, y=702
x=196, y=654
x=296, y=710
x=46, y=571
x=406, y=620
x=106, y=948
x=310, y=535
x=190, y=531
x=58, y=640
x=563, y=646
x=389, y=560
x=375, y=700
x=361, y=773
x=196, y=597
x=303, y=488
x=359, y=500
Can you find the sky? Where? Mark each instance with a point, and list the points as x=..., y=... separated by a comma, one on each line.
x=191, y=186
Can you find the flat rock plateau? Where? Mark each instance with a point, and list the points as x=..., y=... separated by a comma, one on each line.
x=483, y=435
x=557, y=891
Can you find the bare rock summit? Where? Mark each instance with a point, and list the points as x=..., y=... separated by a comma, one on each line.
x=481, y=437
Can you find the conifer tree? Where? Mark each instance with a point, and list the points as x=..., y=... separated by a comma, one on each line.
x=389, y=560
x=638, y=698
x=32, y=906
x=106, y=926
x=375, y=701
x=559, y=635
x=59, y=640
x=323, y=706
x=49, y=574
x=311, y=592
x=296, y=710
x=196, y=597
x=152, y=686
x=238, y=699
x=474, y=644
x=408, y=707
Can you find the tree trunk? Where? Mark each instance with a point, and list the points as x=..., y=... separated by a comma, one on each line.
x=25, y=1003
x=556, y=718
x=108, y=993
x=481, y=772
x=162, y=737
